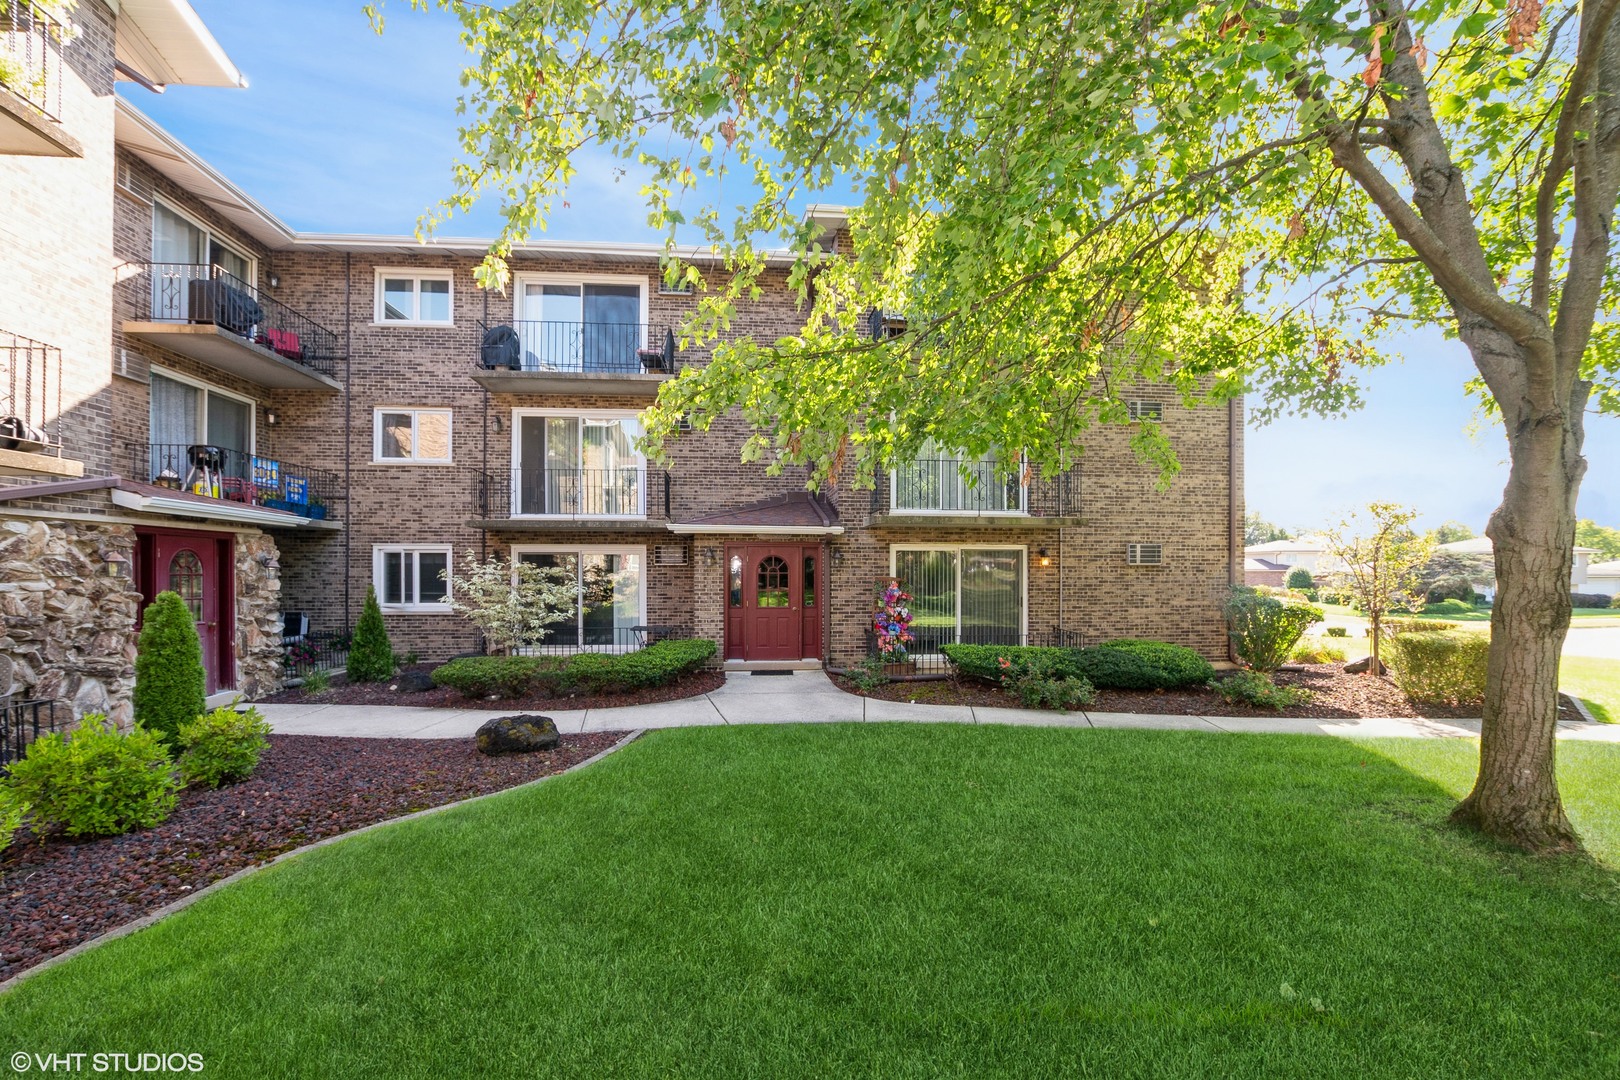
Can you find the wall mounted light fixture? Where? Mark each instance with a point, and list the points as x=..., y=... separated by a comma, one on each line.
x=1046, y=560
x=271, y=417
x=498, y=426
x=117, y=565
x=269, y=561
x=275, y=280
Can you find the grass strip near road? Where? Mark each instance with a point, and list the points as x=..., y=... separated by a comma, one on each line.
x=1594, y=681
x=901, y=900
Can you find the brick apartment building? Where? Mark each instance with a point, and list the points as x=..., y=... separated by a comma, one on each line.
x=269, y=421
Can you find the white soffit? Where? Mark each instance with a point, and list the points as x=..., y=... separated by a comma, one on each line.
x=166, y=41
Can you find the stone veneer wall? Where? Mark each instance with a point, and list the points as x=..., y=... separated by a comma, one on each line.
x=69, y=627
x=258, y=616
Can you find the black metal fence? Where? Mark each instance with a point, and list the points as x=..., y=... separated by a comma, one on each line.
x=195, y=293
x=949, y=486
x=319, y=650
x=31, y=55
x=923, y=655
x=595, y=347
x=596, y=633
x=30, y=395
x=237, y=476
x=21, y=722
x=631, y=492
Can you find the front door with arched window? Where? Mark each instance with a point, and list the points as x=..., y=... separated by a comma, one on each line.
x=197, y=567
x=773, y=602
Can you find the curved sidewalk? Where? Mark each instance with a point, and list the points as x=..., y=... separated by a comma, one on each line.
x=810, y=697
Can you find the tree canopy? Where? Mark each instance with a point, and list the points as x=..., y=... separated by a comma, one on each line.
x=1606, y=540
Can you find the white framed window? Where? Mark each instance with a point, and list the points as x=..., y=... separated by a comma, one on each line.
x=611, y=589
x=942, y=482
x=976, y=594
x=573, y=464
x=411, y=577
x=410, y=436
x=415, y=297
x=1146, y=410
x=1144, y=554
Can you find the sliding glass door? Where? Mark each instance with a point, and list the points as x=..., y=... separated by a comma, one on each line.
x=580, y=326
x=579, y=467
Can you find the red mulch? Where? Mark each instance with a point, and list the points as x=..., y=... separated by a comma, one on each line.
x=1334, y=694
x=443, y=697
x=56, y=892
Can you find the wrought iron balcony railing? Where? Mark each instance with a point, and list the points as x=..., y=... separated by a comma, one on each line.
x=30, y=395
x=31, y=55
x=630, y=492
x=579, y=347
x=949, y=486
x=236, y=476
x=194, y=293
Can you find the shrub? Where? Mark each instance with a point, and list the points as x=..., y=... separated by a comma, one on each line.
x=1256, y=688
x=1416, y=626
x=1451, y=588
x=1317, y=651
x=1449, y=607
x=371, y=655
x=318, y=681
x=1337, y=631
x=1178, y=665
x=1334, y=596
x=1589, y=599
x=1264, y=629
x=12, y=813
x=662, y=662
x=95, y=781
x=982, y=663
x=867, y=675
x=170, y=683
x=1038, y=684
x=1118, y=669
x=222, y=746
x=495, y=676
x=1446, y=668
x=1299, y=578
x=1615, y=603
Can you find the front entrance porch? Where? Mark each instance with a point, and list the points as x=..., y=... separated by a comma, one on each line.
x=774, y=600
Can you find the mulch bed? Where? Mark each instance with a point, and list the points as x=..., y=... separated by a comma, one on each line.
x=1334, y=695
x=444, y=697
x=58, y=892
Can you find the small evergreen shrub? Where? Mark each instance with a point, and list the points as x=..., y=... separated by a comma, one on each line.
x=1337, y=631
x=1317, y=651
x=1299, y=578
x=1449, y=607
x=591, y=672
x=1118, y=669
x=1265, y=629
x=1178, y=665
x=222, y=746
x=662, y=662
x=982, y=663
x=12, y=813
x=1038, y=684
x=170, y=683
x=1451, y=588
x=1256, y=688
x=95, y=781
x=371, y=654
x=495, y=676
x=1446, y=668
x=1589, y=599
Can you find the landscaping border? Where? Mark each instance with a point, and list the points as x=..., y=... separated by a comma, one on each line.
x=177, y=906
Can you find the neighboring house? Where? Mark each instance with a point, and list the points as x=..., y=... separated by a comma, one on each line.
x=1603, y=577
x=1480, y=547
x=1265, y=572
x=269, y=421
x=1310, y=552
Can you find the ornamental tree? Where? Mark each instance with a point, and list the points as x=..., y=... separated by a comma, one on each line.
x=1067, y=199
x=512, y=603
x=1383, y=563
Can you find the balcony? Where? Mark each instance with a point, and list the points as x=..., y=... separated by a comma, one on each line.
x=232, y=485
x=31, y=83
x=217, y=318
x=548, y=357
x=938, y=492
x=31, y=410
x=631, y=498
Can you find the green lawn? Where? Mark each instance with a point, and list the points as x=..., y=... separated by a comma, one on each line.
x=1483, y=615
x=1594, y=681
x=902, y=900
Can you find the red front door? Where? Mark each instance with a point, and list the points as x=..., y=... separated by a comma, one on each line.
x=196, y=566
x=773, y=610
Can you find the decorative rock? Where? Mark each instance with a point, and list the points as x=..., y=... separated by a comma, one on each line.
x=1357, y=667
x=517, y=735
x=414, y=682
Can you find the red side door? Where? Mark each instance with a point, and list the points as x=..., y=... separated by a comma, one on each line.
x=196, y=565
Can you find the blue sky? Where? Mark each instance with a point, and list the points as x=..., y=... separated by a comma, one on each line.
x=343, y=131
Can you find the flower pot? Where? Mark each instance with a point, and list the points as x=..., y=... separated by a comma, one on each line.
x=317, y=512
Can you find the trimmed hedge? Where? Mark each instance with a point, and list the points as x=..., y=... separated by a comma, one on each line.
x=1125, y=664
x=1448, y=607
x=982, y=663
x=1446, y=668
x=1590, y=599
x=516, y=676
x=1181, y=666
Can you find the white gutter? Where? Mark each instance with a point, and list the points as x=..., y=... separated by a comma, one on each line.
x=756, y=530
x=224, y=511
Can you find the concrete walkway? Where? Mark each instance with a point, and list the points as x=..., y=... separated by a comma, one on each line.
x=810, y=697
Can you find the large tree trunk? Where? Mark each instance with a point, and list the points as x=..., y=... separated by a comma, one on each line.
x=1515, y=798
